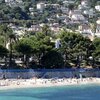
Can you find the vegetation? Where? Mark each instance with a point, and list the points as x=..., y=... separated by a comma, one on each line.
x=38, y=50
x=96, y=53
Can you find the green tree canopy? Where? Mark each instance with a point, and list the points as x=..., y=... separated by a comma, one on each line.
x=52, y=59
x=96, y=43
x=74, y=45
x=24, y=46
x=3, y=51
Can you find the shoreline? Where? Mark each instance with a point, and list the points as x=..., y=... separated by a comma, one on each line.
x=36, y=83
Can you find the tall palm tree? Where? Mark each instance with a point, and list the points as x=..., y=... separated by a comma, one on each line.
x=3, y=53
x=5, y=31
x=12, y=39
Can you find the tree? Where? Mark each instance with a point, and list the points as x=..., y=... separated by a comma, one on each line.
x=74, y=47
x=96, y=53
x=2, y=39
x=42, y=44
x=71, y=7
x=12, y=39
x=36, y=45
x=4, y=11
x=18, y=13
x=26, y=6
x=46, y=30
x=3, y=51
x=5, y=31
x=52, y=59
x=9, y=39
x=24, y=46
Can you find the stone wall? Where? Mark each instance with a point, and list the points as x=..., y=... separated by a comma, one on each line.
x=48, y=73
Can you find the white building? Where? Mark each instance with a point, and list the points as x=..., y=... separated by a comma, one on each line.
x=84, y=2
x=35, y=28
x=40, y=6
x=19, y=1
x=85, y=28
x=52, y=5
x=89, y=12
x=97, y=7
x=7, y=1
x=84, y=5
x=78, y=17
x=31, y=9
x=55, y=27
x=67, y=2
x=80, y=7
x=98, y=28
x=72, y=12
x=64, y=10
x=10, y=1
x=61, y=17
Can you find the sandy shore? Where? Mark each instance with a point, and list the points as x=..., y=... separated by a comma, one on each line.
x=29, y=83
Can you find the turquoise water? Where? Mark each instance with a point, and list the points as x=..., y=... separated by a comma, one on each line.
x=82, y=92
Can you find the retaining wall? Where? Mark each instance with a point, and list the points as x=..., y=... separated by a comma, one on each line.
x=49, y=73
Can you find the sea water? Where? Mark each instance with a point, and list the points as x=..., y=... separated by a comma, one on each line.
x=81, y=92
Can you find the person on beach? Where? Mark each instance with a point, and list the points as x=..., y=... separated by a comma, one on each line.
x=4, y=76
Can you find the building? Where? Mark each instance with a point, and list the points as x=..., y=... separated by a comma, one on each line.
x=97, y=7
x=68, y=2
x=84, y=3
x=19, y=1
x=34, y=28
x=98, y=28
x=90, y=12
x=7, y=1
x=40, y=6
x=85, y=28
x=61, y=17
x=64, y=10
x=77, y=17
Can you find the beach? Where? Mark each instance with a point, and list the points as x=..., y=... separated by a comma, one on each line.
x=29, y=83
